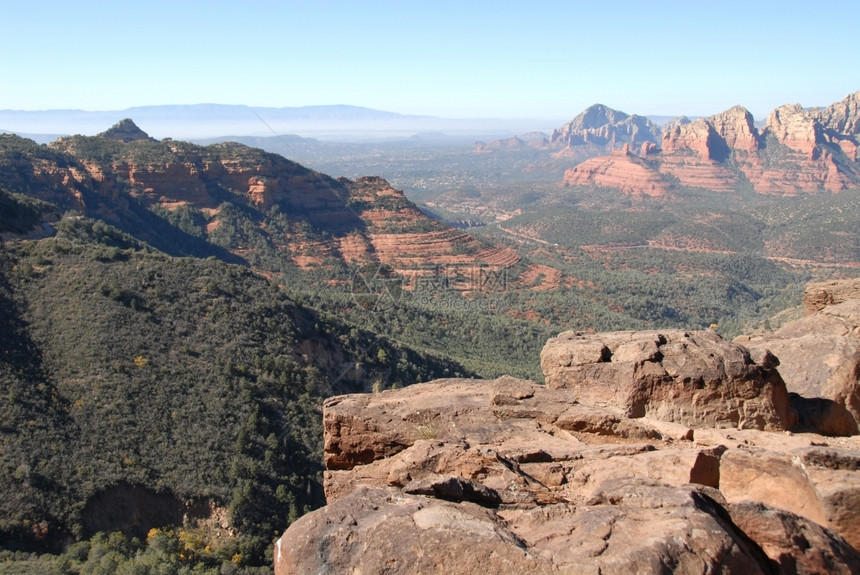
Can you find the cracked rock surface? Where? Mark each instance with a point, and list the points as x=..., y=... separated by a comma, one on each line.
x=508, y=476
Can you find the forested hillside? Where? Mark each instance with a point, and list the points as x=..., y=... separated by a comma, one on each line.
x=139, y=387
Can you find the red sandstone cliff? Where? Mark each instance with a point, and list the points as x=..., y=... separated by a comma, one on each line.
x=841, y=117
x=797, y=152
x=621, y=171
x=357, y=222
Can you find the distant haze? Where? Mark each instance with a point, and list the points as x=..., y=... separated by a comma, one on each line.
x=346, y=123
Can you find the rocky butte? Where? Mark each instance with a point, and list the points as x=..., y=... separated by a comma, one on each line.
x=645, y=452
x=604, y=127
x=798, y=151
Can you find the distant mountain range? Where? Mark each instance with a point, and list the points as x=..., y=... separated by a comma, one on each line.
x=794, y=151
x=214, y=120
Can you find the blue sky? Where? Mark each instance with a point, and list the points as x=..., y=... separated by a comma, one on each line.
x=524, y=59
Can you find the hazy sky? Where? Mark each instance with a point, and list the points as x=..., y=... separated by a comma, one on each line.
x=498, y=58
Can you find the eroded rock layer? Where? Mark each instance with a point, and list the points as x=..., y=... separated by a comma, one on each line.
x=465, y=476
x=799, y=151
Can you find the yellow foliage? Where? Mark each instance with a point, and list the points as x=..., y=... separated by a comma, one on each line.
x=140, y=361
x=152, y=533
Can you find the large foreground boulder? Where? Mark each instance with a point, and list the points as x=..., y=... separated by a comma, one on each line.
x=819, y=357
x=692, y=378
x=508, y=476
x=794, y=544
x=819, y=483
x=387, y=531
x=627, y=528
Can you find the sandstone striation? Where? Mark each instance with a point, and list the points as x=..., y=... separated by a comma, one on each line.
x=622, y=171
x=695, y=172
x=360, y=222
x=463, y=476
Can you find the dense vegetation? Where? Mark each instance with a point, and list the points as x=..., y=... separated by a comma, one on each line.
x=817, y=229
x=20, y=214
x=190, y=379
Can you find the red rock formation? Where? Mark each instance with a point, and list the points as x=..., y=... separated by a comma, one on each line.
x=694, y=172
x=366, y=221
x=736, y=127
x=797, y=177
x=821, y=484
x=692, y=152
x=814, y=166
x=400, y=236
x=794, y=128
x=648, y=149
x=848, y=147
x=819, y=295
x=841, y=117
x=695, y=153
x=696, y=137
x=795, y=154
x=511, y=476
x=604, y=127
x=178, y=182
x=620, y=171
x=692, y=378
x=795, y=546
